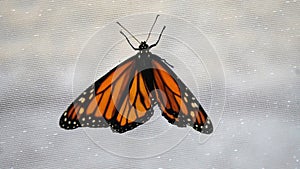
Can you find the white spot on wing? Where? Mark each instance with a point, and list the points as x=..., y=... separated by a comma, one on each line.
x=194, y=105
x=185, y=99
x=82, y=99
x=81, y=110
x=91, y=96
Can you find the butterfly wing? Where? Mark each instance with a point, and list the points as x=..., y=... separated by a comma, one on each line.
x=177, y=103
x=120, y=99
x=136, y=107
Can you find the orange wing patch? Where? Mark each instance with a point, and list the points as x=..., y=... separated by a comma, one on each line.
x=179, y=106
x=113, y=77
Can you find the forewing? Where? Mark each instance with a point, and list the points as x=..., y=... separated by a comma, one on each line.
x=120, y=99
x=177, y=103
x=94, y=107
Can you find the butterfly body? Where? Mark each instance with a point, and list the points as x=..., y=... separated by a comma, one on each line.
x=124, y=98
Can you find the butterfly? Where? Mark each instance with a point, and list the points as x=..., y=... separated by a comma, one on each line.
x=124, y=98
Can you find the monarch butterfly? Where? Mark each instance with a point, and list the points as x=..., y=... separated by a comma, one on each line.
x=124, y=97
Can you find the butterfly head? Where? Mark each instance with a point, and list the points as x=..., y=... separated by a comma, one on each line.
x=143, y=46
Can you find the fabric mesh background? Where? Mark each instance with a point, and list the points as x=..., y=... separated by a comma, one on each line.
x=257, y=43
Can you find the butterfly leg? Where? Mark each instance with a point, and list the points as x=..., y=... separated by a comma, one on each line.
x=129, y=41
x=158, y=38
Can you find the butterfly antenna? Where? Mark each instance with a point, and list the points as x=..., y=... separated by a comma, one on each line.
x=152, y=28
x=128, y=32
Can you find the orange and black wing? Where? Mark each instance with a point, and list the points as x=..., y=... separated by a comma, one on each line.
x=177, y=103
x=120, y=99
x=136, y=106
